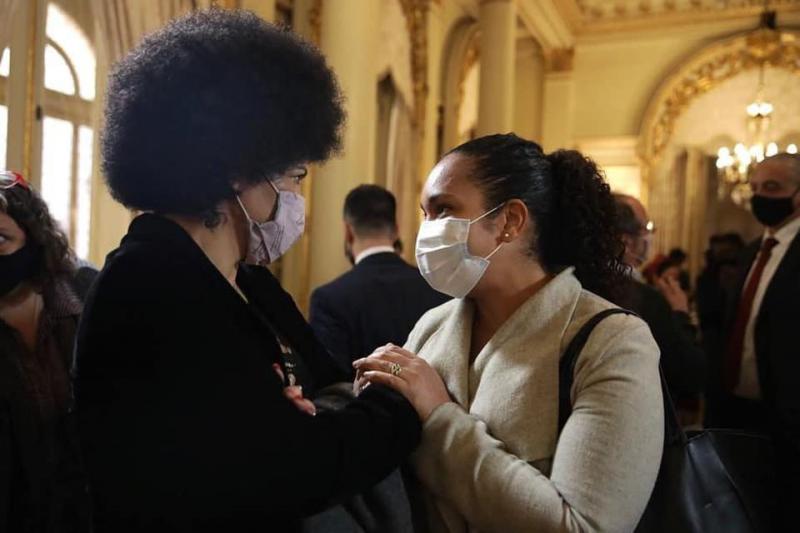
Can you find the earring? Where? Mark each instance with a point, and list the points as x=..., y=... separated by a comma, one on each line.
x=506, y=235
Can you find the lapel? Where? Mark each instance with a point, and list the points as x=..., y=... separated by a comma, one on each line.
x=447, y=350
x=512, y=385
x=784, y=277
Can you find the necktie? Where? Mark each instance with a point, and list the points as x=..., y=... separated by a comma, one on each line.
x=736, y=342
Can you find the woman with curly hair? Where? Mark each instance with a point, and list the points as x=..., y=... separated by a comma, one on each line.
x=527, y=243
x=190, y=355
x=42, y=485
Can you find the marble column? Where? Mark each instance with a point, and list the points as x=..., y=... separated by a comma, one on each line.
x=498, y=25
x=559, y=100
x=529, y=90
x=348, y=38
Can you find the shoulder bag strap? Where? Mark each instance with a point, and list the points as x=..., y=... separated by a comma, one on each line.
x=566, y=373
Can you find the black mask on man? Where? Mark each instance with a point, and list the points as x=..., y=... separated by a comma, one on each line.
x=772, y=211
x=17, y=267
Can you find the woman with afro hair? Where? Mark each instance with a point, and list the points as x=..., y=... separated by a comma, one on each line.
x=189, y=351
x=527, y=243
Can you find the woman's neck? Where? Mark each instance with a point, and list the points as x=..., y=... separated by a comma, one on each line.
x=220, y=243
x=498, y=301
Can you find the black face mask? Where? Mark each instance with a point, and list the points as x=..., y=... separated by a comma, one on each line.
x=772, y=211
x=17, y=267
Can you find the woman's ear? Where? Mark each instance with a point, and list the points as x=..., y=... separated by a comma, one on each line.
x=516, y=220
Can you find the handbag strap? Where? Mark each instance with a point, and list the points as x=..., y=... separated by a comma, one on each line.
x=566, y=372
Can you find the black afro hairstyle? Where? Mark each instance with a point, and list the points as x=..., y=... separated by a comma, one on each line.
x=215, y=97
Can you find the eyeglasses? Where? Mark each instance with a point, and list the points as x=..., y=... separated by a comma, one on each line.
x=9, y=179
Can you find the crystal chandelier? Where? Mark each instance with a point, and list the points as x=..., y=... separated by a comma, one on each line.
x=733, y=164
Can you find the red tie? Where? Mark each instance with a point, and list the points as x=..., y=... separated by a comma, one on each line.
x=733, y=364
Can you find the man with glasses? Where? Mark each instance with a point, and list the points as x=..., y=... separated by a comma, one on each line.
x=757, y=372
x=665, y=310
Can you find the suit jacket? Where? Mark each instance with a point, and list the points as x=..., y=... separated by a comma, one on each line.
x=375, y=303
x=682, y=358
x=777, y=347
x=184, y=423
x=492, y=459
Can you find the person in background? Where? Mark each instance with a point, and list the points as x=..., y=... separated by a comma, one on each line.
x=42, y=482
x=664, y=307
x=189, y=407
x=756, y=377
x=344, y=314
x=677, y=257
x=526, y=244
x=717, y=281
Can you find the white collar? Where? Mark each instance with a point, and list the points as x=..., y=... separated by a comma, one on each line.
x=373, y=250
x=786, y=234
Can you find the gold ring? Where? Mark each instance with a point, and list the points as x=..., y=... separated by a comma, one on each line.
x=395, y=369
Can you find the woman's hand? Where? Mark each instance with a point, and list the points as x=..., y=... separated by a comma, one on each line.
x=406, y=373
x=295, y=394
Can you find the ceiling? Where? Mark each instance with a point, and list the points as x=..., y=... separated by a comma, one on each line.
x=598, y=16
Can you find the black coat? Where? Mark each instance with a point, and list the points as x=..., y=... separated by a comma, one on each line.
x=42, y=482
x=777, y=347
x=683, y=360
x=377, y=302
x=183, y=421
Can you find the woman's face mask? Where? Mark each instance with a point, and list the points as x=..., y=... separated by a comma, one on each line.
x=443, y=256
x=19, y=258
x=271, y=239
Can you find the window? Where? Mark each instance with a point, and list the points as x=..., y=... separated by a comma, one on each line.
x=67, y=134
x=5, y=62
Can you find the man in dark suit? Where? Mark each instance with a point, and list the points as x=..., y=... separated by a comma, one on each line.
x=756, y=378
x=665, y=308
x=382, y=297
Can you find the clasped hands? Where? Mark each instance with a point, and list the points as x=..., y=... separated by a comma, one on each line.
x=406, y=373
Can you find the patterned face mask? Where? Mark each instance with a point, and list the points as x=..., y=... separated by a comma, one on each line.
x=271, y=239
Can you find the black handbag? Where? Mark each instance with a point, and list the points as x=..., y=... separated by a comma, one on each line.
x=709, y=481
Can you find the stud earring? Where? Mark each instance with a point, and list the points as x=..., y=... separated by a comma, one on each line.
x=506, y=235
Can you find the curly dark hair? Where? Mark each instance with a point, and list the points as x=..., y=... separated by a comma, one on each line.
x=569, y=201
x=31, y=214
x=213, y=97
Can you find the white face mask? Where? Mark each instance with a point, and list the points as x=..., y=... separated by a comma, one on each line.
x=271, y=239
x=444, y=259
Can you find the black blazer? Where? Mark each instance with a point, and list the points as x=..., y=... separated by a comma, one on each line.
x=183, y=421
x=377, y=302
x=683, y=360
x=777, y=347
x=776, y=339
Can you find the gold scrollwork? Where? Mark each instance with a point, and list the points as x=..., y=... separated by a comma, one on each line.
x=717, y=63
x=416, y=14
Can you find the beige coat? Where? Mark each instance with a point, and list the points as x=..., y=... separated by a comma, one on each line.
x=492, y=461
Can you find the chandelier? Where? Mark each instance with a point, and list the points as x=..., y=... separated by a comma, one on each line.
x=734, y=164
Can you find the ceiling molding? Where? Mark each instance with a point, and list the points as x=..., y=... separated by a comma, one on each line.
x=589, y=18
x=546, y=23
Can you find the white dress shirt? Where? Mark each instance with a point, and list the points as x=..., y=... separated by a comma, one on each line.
x=374, y=250
x=748, y=386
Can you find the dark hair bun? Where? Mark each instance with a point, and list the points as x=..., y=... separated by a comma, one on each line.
x=573, y=211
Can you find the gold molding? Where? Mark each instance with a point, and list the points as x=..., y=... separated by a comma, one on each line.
x=559, y=60
x=416, y=14
x=315, y=22
x=472, y=55
x=705, y=71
